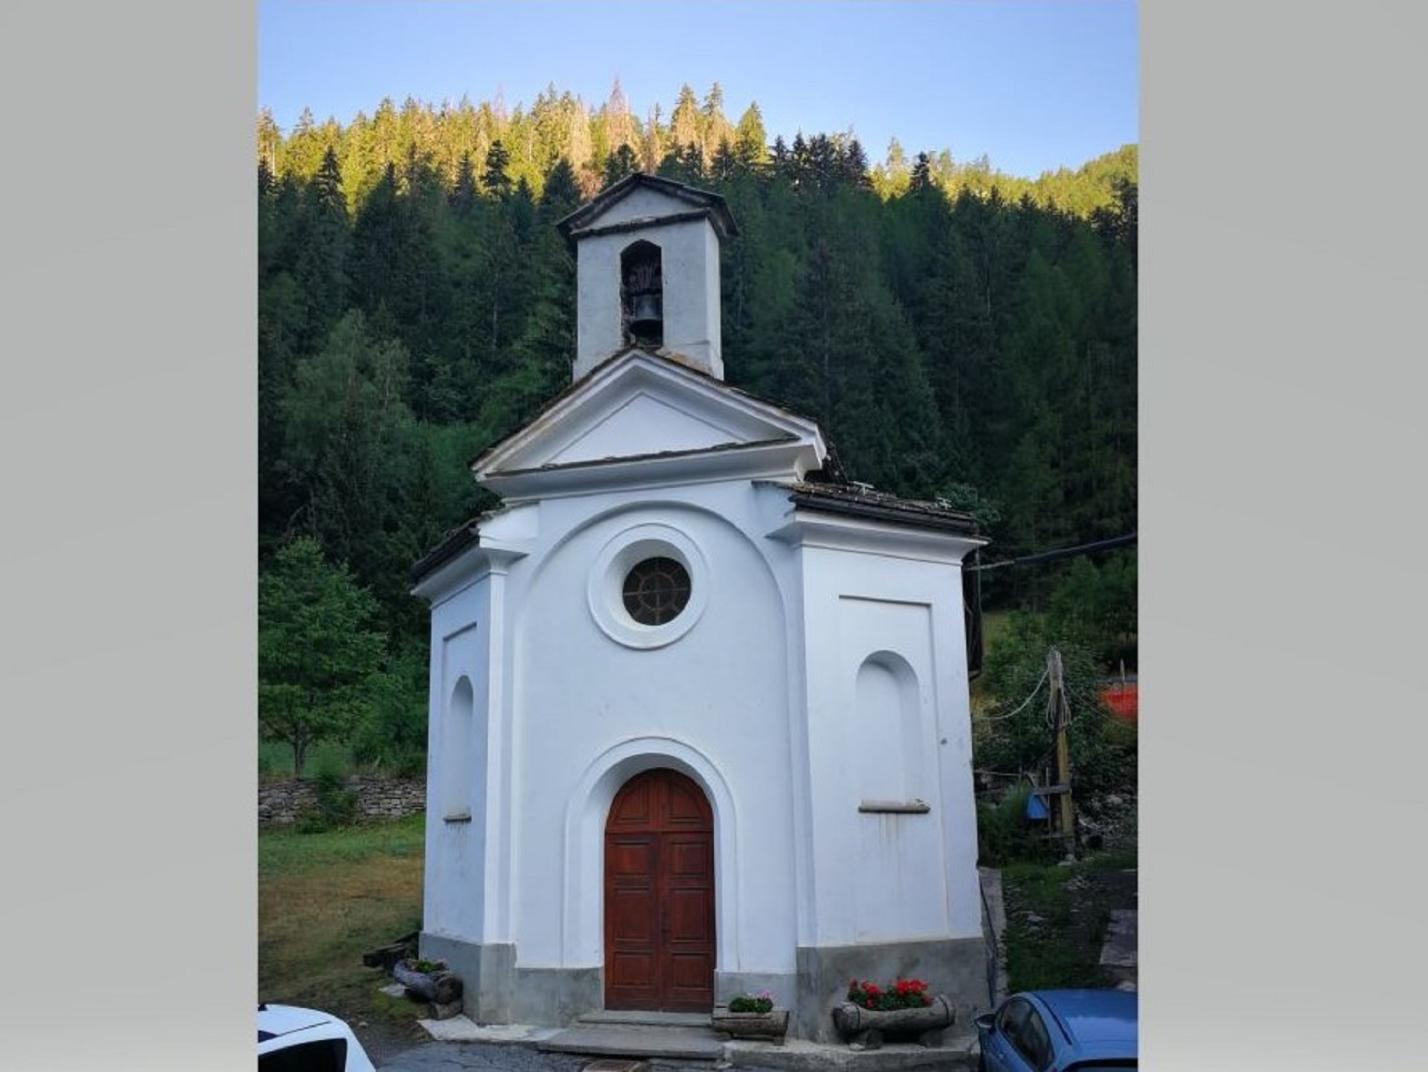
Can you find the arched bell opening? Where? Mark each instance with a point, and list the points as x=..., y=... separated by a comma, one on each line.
x=642, y=294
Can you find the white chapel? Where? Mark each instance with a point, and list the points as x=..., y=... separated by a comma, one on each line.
x=699, y=716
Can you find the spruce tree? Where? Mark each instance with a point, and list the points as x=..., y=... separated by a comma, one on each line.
x=463, y=193
x=621, y=162
x=684, y=125
x=750, y=140
x=496, y=179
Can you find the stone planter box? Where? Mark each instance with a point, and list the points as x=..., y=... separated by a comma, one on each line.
x=771, y=1025
x=864, y=1029
x=440, y=989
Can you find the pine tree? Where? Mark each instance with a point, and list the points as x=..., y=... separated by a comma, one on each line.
x=855, y=165
x=322, y=250
x=496, y=180
x=921, y=179
x=684, y=121
x=715, y=128
x=578, y=146
x=620, y=163
x=652, y=149
x=269, y=140
x=750, y=141
x=619, y=125
x=779, y=157
x=463, y=193
x=724, y=165
x=560, y=195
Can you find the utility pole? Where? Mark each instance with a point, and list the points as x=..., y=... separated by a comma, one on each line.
x=1061, y=716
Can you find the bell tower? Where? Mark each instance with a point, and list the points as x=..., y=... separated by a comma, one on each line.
x=647, y=272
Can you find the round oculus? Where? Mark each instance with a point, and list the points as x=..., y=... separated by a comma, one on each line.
x=656, y=590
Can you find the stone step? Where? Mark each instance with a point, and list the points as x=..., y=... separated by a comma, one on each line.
x=648, y=1019
x=638, y=1040
x=958, y=1053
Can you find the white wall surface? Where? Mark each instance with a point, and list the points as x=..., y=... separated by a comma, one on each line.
x=888, y=711
x=716, y=697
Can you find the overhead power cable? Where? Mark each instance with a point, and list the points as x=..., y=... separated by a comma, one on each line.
x=1060, y=552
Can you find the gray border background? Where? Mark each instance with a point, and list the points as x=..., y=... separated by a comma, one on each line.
x=128, y=545
x=1283, y=576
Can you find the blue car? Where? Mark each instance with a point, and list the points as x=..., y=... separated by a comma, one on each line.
x=1060, y=1031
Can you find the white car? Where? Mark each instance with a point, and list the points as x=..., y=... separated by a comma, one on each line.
x=293, y=1039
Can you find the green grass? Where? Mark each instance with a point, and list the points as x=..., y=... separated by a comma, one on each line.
x=323, y=900
x=1063, y=950
x=284, y=852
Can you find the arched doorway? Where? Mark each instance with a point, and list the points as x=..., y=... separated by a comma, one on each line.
x=659, y=895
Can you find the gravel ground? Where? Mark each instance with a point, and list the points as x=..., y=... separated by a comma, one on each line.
x=483, y=1056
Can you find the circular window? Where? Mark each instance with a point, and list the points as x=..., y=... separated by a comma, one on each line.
x=648, y=586
x=656, y=590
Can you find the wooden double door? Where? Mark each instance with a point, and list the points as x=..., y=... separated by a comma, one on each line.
x=659, y=895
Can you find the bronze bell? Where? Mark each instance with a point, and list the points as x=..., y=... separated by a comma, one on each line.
x=646, y=315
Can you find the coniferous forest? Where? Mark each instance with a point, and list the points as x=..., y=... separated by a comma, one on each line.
x=957, y=331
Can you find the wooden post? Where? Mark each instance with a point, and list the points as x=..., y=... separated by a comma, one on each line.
x=1060, y=713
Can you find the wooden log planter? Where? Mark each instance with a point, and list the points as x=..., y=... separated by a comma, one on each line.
x=441, y=988
x=865, y=1029
x=771, y=1025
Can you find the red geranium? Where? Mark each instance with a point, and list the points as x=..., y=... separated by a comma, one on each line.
x=903, y=994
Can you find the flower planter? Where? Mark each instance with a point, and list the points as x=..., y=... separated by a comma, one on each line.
x=439, y=987
x=865, y=1029
x=771, y=1025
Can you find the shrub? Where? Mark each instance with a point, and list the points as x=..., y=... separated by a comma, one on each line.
x=1005, y=835
x=336, y=805
x=761, y=1002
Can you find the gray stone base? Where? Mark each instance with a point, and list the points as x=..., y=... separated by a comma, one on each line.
x=556, y=996
x=782, y=986
x=496, y=991
x=485, y=970
x=955, y=967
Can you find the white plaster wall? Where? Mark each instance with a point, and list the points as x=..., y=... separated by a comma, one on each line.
x=882, y=877
x=815, y=677
x=689, y=267
x=455, y=872
x=713, y=704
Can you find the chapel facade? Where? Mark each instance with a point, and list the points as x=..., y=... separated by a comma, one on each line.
x=699, y=713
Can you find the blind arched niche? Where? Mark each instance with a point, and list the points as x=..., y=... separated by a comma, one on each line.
x=463, y=759
x=888, y=729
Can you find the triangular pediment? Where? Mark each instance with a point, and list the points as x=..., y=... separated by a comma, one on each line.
x=643, y=197
x=640, y=412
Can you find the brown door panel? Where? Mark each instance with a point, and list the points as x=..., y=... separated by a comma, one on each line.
x=659, y=896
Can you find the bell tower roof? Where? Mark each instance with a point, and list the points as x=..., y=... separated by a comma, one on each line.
x=687, y=203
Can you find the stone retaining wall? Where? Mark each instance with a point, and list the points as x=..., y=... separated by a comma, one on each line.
x=377, y=798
